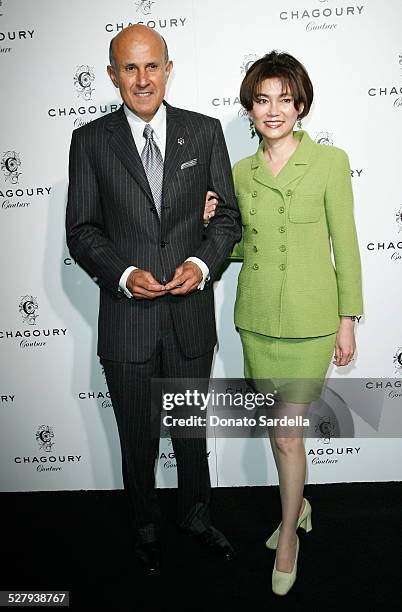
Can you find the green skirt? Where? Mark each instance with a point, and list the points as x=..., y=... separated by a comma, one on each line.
x=296, y=367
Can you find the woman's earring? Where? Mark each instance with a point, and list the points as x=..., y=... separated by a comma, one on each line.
x=252, y=128
x=299, y=124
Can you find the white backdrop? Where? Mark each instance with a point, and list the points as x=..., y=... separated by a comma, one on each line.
x=57, y=428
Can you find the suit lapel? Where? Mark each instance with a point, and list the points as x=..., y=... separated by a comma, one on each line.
x=299, y=163
x=177, y=140
x=262, y=173
x=292, y=172
x=122, y=142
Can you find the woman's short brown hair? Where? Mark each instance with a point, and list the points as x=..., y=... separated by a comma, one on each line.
x=282, y=66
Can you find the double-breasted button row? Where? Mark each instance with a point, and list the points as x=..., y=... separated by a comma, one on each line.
x=282, y=230
x=254, y=231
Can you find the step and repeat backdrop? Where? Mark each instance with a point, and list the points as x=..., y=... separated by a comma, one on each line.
x=57, y=427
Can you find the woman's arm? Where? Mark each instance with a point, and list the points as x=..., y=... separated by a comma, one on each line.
x=341, y=223
x=342, y=229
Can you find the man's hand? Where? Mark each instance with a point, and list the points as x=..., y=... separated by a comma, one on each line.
x=143, y=286
x=186, y=278
x=211, y=202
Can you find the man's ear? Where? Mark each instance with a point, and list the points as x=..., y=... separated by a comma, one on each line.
x=169, y=68
x=112, y=76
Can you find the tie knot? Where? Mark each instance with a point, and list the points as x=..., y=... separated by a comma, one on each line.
x=148, y=131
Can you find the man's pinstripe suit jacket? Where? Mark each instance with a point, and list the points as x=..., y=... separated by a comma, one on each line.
x=112, y=223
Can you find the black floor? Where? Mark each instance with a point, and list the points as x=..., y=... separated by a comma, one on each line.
x=79, y=541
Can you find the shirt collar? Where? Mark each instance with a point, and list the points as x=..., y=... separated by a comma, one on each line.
x=157, y=122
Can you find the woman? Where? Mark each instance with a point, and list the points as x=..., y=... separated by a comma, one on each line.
x=293, y=309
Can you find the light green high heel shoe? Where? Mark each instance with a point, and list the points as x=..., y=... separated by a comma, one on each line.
x=304, y=521
x=282, y=582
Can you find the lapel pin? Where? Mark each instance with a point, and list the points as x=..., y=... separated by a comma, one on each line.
x=180, y=141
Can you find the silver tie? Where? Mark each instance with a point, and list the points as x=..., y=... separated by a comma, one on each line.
x=152, y=161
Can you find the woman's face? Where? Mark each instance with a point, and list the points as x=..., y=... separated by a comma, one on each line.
x=273, y=113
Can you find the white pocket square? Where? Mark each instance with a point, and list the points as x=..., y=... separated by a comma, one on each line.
x=188, y=164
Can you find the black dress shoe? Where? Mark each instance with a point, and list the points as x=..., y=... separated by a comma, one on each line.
x=215, y=541
x=148, y=555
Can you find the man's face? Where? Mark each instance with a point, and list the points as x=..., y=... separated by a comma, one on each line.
x=140, y=72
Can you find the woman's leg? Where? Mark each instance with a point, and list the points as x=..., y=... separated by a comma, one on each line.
x=290, y=458
x=298, y=366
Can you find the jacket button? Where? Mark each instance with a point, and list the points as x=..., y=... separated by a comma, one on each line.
x=252, y=211
x=163, y=244
x=281, y=209
x=254, y=231
x=282, y=229
x=254, y=194
x=255, y=249
x=282, y=267
x=255, y=266
x=289, y=192
x=282, y=248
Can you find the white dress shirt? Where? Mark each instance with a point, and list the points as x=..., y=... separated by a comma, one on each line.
x=158, y=124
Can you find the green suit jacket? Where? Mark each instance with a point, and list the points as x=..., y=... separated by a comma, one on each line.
x=288, y=286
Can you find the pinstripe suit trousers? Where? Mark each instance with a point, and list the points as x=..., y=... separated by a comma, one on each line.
x=130, y=390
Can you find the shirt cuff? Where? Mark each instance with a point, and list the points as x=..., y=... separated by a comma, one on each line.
x=204, y=269
x=123, y=281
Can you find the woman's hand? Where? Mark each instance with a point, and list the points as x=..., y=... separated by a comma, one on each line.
x=345, y=344
x=211, y=202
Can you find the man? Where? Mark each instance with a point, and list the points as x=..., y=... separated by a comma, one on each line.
x=138, y=179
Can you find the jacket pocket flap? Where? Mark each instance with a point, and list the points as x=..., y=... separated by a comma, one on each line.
x=306, y=208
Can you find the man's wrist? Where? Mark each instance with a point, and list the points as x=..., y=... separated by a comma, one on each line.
x=204, y=270
x=123, y=281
